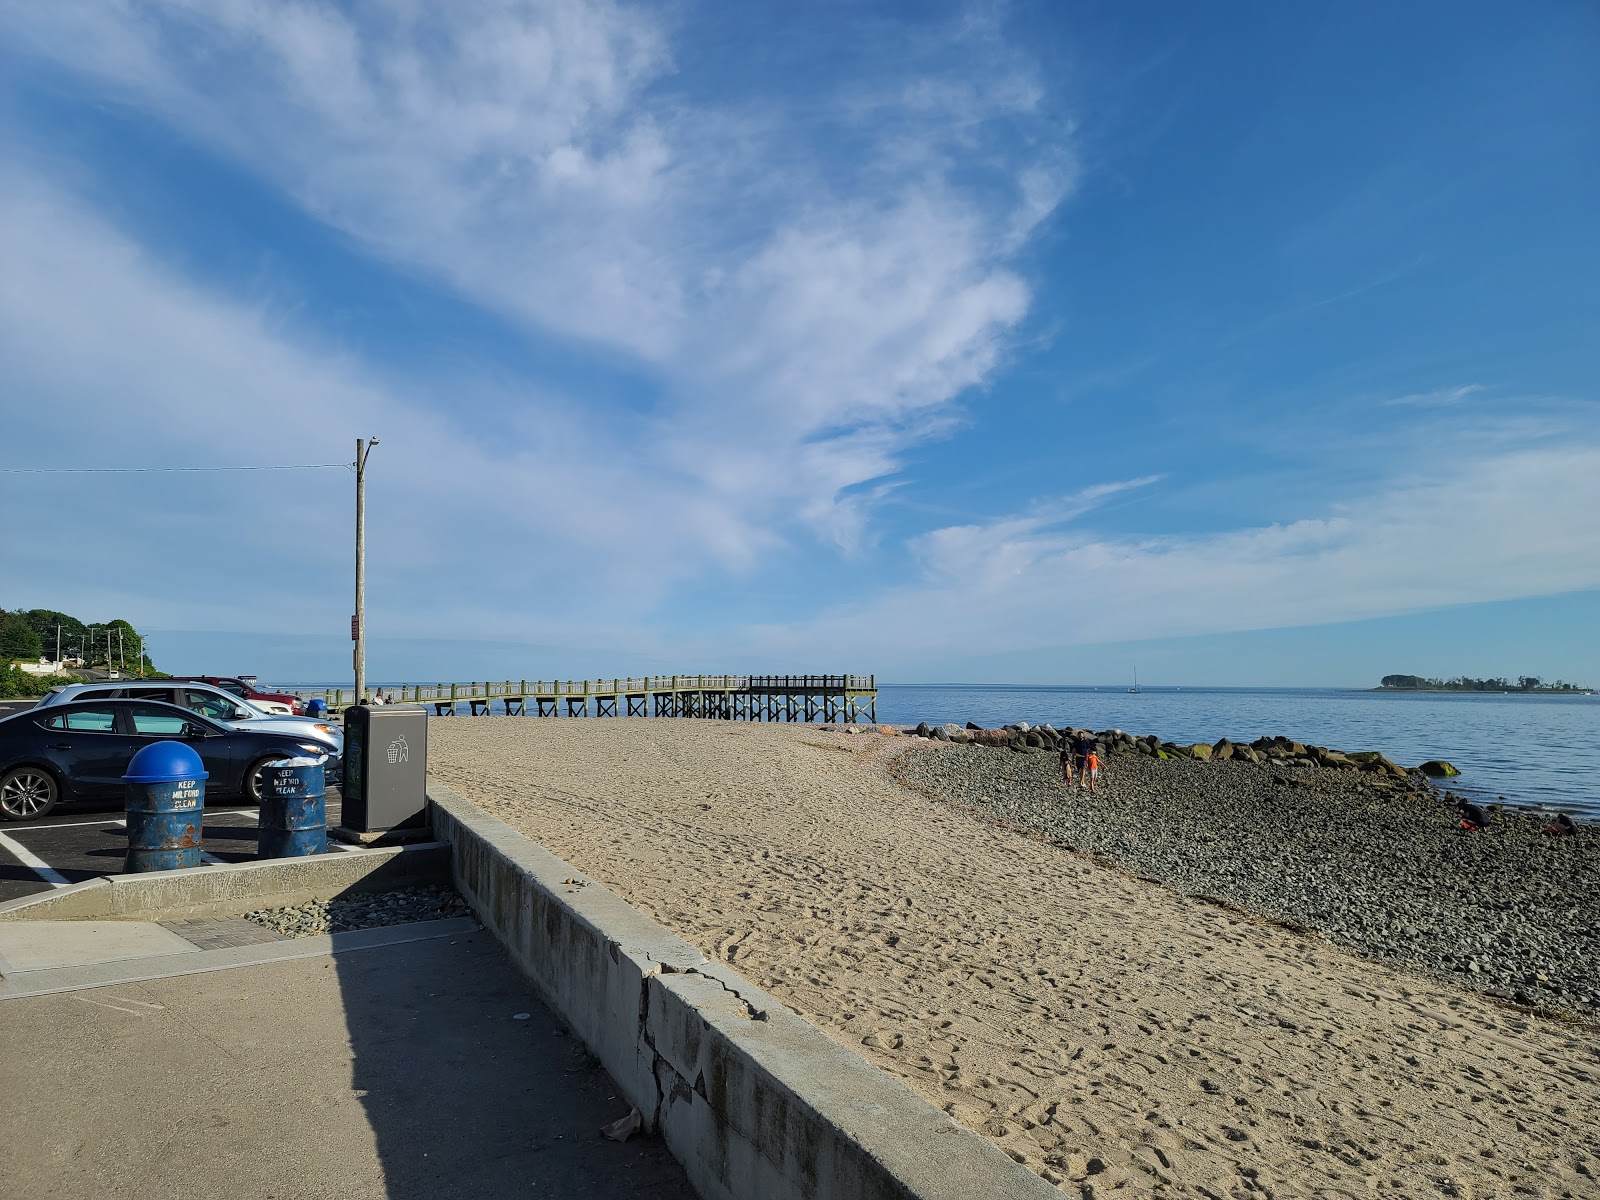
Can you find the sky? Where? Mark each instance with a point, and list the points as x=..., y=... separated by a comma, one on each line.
x=1030, y=342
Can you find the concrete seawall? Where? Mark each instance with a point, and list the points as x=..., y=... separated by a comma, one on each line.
x=753, y=1101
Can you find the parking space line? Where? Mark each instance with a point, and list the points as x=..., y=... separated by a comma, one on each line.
x=34, y=863
x=114, y=819
x=108, y=819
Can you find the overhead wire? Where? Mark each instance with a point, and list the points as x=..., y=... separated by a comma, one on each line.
x=145, y=470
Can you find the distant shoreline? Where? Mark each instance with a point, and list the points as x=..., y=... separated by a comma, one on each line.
x=1445, y=691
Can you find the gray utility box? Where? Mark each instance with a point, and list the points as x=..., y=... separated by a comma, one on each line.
x=385, y=768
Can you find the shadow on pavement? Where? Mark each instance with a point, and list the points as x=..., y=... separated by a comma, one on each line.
x=473, y=1088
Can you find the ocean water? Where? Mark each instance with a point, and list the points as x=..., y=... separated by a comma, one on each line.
x=1532, y=750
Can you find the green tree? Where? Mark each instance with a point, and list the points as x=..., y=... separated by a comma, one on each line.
x=45, y=622
x=17, y=638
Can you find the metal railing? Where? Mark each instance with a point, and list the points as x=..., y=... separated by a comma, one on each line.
x=639, y=685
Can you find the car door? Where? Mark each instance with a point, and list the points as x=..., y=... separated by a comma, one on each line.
x=157, y=723
x=87, y=748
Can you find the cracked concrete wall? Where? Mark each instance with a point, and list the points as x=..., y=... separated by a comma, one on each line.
x=752, y=1100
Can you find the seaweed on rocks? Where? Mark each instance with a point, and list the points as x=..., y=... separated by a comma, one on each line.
x=1375, y=862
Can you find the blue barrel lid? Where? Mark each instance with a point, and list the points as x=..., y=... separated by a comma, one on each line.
x=164, y=762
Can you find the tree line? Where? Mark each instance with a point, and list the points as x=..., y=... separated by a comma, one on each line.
x=1464, y=683
x=30, y=634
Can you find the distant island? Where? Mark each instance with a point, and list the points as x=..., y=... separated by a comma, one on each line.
x=1524, y=683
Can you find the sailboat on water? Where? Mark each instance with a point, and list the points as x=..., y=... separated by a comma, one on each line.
x=1135, y=686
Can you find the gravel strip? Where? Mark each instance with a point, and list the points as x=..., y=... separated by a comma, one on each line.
x=1509, y=912
x=363, y=910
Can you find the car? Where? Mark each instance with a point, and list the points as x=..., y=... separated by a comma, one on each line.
x=246, y=689
x=206, y=700
x=80, y=750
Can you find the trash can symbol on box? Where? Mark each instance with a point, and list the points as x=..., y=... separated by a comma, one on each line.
x=399, y=752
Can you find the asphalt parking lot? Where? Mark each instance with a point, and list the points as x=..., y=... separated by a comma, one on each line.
x=84, y=841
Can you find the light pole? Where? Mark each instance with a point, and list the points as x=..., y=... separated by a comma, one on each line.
x=358, y=623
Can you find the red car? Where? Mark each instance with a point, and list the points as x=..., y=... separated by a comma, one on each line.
x=243, y=690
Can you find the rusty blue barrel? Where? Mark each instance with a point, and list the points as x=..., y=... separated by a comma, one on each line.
x=294, y=808
x=165, y=801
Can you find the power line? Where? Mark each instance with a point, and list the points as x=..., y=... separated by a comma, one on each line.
x=144, y=470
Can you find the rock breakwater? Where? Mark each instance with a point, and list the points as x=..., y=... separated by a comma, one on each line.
x=1349, y=846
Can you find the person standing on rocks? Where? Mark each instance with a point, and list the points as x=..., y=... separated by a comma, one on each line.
x=1090, y=773
x=1068, y=753
x=1091, y=769
x=1082, y=747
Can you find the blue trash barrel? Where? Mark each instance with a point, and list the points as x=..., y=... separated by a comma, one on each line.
x=165, y=801
x=294, y=809
x=316, y=708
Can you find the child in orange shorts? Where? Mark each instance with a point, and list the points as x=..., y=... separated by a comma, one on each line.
x=1091, y=769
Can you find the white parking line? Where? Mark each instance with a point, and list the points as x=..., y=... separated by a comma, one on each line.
x=108, y=819
x=34, y=863
x=115, y=821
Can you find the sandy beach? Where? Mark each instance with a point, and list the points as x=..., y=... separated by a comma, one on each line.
x=1115, y=1036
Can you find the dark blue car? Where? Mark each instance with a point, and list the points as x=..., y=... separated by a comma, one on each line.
x=80, y=751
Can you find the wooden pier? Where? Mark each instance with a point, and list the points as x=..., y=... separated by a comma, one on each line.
x=806, y=698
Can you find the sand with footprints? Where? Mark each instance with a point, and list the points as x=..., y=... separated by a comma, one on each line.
x=1116, y=1037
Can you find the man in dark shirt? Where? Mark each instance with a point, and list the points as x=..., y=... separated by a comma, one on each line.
x=1082, y=747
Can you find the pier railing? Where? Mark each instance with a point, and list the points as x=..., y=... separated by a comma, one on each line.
x=757, y=697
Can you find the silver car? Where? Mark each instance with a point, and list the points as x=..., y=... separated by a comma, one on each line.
x=208, y=701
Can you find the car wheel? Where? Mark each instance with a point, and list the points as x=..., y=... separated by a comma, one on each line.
x=27, y=793
x=251, y=787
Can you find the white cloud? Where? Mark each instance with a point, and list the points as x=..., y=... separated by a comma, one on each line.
x=1438, y=398
x=110, y=358
x=814, y=290
x=1516, y=523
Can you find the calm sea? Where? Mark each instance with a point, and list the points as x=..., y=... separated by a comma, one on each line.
x=1535, y=750
x=1532, y=750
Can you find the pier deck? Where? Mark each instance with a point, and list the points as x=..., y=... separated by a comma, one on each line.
x=721, y=697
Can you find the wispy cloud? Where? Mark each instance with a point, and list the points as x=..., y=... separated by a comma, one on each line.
x=1487, y=527
x=120, y=361
x=1438, y=398
x=812, y=293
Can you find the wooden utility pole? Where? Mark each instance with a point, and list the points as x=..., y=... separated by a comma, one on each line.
x=358, y=623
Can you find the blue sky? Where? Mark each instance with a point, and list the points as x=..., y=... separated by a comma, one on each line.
x=1253, y=344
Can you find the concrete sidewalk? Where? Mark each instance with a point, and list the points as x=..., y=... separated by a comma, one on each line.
x=395, y=1071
